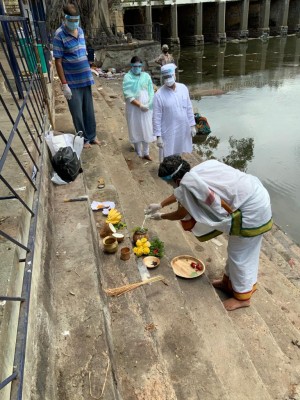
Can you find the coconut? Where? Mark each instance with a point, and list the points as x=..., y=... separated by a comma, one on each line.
x=112, y=228
x=118, y=236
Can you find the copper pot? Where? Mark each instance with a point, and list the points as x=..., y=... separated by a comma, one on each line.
x=125, y=253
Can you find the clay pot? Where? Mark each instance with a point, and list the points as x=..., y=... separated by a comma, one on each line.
x=139, y=235
x=110, y=244
x=125, y=253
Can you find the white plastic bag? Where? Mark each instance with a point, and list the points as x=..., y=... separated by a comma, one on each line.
x=55, y=142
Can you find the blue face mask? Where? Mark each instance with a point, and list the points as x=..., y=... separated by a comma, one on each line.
x=136, y=70
x=72, y=25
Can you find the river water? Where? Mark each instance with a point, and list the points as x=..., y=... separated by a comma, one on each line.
x=250, y=94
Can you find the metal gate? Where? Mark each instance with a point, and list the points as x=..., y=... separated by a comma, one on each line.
x=25, y=107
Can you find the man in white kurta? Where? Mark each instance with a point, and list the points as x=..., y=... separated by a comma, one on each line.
x=173, y=117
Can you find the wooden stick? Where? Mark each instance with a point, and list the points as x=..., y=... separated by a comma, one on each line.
x=126, y=288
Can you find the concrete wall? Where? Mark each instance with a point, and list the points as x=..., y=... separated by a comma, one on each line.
x=119, y=56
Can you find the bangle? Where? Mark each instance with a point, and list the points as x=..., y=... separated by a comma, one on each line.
x=64, y=83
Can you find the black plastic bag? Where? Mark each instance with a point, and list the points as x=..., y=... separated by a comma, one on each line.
x=66, y=164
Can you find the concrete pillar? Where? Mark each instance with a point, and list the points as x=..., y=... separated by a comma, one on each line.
x=148, y=18
x=244, y=33
x=264, y=18
x=174, y=39
x=198, y=37
x=221, y=35
x=283, y=27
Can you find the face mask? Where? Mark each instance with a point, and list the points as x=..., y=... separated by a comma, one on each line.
x=72, y=25
x=136, y=70
x=170, y=82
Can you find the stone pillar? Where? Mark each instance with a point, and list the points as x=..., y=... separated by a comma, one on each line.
x=283, y=27
x=264, y=18
x=244, y=33
x=174, y=39
x=148, y=18
x=198, y=37
x=221, y=35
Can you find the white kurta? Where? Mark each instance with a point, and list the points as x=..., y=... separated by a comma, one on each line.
x=139, y=122
x=172, y=119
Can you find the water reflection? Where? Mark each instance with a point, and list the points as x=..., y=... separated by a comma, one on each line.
x=249, y=92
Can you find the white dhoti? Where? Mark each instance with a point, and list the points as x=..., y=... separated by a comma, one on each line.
x=242, y=265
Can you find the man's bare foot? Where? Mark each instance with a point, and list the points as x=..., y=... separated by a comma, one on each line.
x=96, y=141
x=87, y=145
x=233, y=304
x=219, y=284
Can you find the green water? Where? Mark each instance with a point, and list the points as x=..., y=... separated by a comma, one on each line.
x=250, y=95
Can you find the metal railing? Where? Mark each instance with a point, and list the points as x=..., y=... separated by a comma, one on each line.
x=25, y=106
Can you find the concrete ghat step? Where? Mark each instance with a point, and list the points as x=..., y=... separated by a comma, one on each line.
x=82, y=357
x=283, y=252
x=275, y=355
x=281, y=291
x=180, y=330
x=141, y=364
x=162, y=314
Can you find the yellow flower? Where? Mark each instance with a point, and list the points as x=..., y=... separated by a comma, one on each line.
x=139, y=251
x=147, y=244
x=144, y=240
x=138, y=242
x=135, y=249
x=146, y=250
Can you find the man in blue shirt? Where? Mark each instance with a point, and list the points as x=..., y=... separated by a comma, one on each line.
x=73, y=69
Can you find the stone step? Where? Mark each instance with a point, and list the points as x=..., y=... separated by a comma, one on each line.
x=282, y=353
x=181, y=333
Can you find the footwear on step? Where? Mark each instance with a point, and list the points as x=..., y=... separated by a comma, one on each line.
x=147, y=158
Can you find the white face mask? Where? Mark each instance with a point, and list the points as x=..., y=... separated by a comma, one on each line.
x=170, y=82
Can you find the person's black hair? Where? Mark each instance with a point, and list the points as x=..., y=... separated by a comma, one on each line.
x=71, y=9
x=169, y=166
x=135, y=59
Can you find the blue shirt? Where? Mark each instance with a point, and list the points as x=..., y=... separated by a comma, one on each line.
x=72, y=51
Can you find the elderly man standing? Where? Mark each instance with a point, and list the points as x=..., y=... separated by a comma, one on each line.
x=173, y=117
x=73, y=69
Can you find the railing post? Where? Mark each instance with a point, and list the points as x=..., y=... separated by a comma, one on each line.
x=12, y=58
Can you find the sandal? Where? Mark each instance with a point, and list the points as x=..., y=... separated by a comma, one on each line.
x=101, y=183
